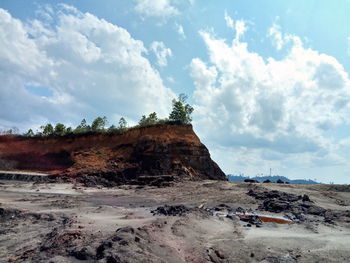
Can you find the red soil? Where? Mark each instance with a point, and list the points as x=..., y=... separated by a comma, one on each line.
x=165, y=149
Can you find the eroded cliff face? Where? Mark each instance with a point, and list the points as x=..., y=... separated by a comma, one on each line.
x=138, y=155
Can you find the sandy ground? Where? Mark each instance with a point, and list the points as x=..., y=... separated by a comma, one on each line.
x=70, y=223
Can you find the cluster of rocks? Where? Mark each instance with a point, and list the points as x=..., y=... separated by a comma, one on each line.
x=239, y=213
x=109, y=250
x=297, y=205
x=171, y=210
x=279, y=181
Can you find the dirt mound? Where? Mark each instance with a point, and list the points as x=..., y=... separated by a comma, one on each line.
x=109, y=159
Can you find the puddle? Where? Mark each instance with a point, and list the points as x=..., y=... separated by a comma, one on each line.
x=263, y=218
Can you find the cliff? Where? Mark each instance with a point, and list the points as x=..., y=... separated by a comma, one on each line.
x=139, y=155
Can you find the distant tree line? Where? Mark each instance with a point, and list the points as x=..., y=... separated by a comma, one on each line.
x=180, y=114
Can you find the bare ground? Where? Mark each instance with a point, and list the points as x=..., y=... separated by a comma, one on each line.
x=71, y=223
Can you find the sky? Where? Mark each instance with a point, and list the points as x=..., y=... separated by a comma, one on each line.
x=269, y=80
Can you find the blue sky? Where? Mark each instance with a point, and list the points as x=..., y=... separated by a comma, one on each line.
x=269, y=80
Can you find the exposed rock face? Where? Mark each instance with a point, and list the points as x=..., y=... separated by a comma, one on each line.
x=139, y=155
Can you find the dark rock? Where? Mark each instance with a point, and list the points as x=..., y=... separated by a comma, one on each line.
x=113, y=259
x=250, y=181
x=306, y=198
x=276, y=206
x=263, y=195
x=100, y=251
x=83, y=253
x=240, y=210
x=251, y=219
x=127, y=229
x=267, y=181
x=171, y=210
x=279, y=181
x=277, y=202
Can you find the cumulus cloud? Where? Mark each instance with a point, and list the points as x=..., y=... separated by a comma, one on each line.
x=156, y=8
x=161, y=52
x=240, y=26
x=229, y=21
x=180, y=31
x=279, y=108
x=90, y=66
x=276, y=35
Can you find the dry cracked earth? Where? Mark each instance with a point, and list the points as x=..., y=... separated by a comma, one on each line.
x=205, y=221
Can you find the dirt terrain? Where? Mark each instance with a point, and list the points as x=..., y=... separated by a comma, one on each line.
x=203, y=221
x=140, y=155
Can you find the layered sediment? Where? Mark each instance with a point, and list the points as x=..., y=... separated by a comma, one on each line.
x=141, y=155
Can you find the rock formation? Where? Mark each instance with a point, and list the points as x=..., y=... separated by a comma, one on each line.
x=140, y=155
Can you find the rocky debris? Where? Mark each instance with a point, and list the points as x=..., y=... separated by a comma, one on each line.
x=274, y=194
x=171, y=210
x=109, y=249
x=58, y=239
x=155, y=180
x=250, y=181
x=239, y=213
x=216, y=256
x=251, y=220
x=127, y=244
x=298, y=206
x=7, y=214
x=17, y=223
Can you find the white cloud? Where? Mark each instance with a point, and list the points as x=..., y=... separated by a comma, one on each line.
x=239, y=26
x=156, y=8
x=161, y=52
x=180, y=31
x=248, y=104
x=275, y=33
x=281, y=40
x=229, y=21
x=90, y=66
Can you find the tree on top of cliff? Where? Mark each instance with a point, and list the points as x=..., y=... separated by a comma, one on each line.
x=122, y=123
x=47, y=130
x=82, y=127
x=60, y=129
x=152, y=119
x=182, y=111
x=99, y=124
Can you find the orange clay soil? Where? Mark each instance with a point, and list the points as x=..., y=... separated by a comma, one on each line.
x=146, y=151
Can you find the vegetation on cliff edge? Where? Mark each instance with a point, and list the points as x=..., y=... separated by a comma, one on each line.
x=180, y=114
